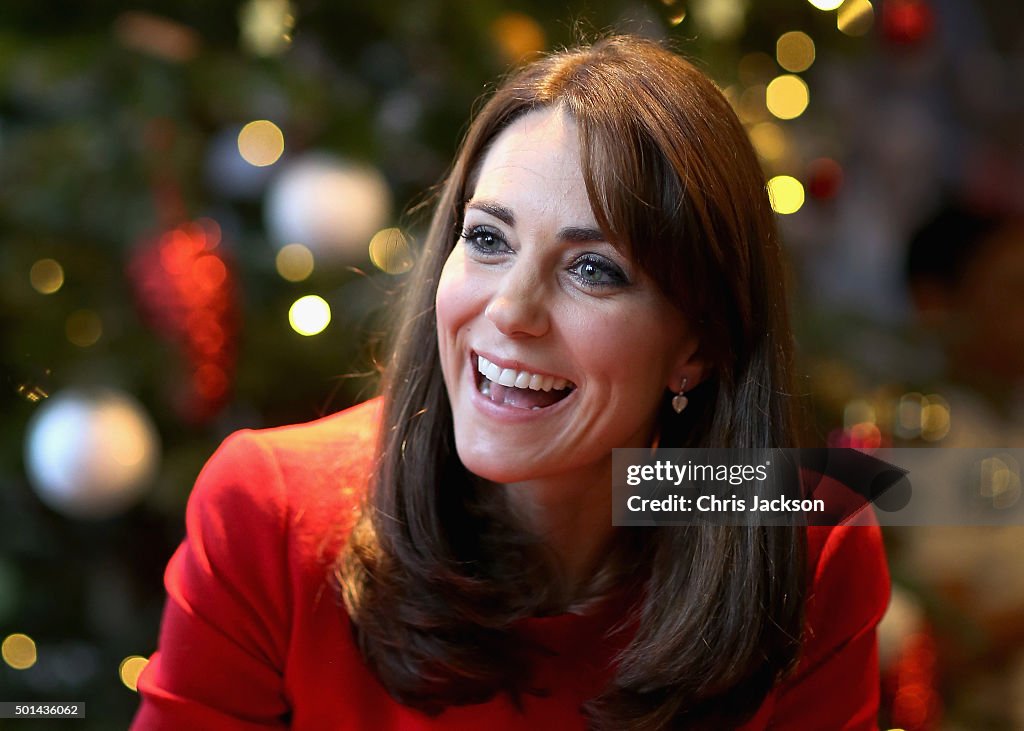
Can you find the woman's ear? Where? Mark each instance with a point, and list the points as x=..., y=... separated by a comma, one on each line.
x=689, y=368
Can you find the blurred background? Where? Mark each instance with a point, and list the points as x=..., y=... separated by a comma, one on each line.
x=205, y=208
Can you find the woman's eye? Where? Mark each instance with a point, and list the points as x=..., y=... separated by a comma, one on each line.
x=485, y=240
x=597, y=272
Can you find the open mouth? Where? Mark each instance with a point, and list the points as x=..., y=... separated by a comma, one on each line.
x=519, y=389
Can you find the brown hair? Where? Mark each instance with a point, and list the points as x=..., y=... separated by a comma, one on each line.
x=434, y=577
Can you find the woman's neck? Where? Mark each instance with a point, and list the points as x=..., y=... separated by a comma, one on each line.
x=572, y=515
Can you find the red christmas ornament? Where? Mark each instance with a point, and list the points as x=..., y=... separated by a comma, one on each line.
x=186, y=292
x=907, y=22
x=824, y=178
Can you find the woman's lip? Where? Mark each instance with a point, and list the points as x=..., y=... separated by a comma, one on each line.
x=516, y=365
x=504, y=412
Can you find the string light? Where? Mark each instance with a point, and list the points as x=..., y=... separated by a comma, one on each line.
x=795, y=51
x=19, y=651
x=389, y=251
x=83, y=328
x=786, y=194
x=858, y=411
x=294, y=262
x=855, y=17
x=130, y=669
x=309, y=315
x=261, y=143
x=935, y=417
x=266, y=26
x=769, y=141
x=518, y=37
x=46, y=276
x=787, y=96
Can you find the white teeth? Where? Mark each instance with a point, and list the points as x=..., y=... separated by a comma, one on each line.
x=519, y=379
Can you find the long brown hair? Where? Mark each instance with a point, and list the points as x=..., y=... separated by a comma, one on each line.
x=434, y=576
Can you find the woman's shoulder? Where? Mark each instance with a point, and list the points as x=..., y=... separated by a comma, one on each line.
x=300, y=483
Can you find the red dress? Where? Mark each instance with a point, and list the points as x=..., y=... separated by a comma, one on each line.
x=253, y=637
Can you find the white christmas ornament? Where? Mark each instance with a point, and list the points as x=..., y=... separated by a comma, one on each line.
x=91, y=454
x=331, y=206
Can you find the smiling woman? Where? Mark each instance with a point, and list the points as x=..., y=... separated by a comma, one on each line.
x=602, y=271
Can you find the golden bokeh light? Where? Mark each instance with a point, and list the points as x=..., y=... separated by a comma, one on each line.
x=518, y=37
x=787, y=96
x=83, y=328
x=266, y=26
x=46, y=276
x=856, y=17
x=389, y=251
x=786, y=194
x=294, y=262
x=19, y=651
x=794, y=51
x=826, y=4
x=908, y=415
x=261, y=143
x=130, y=669
x=1000, y=480
x=309, y=315
x=858, y=411
x=756, y=68
x=751, y=105
x=769, y=141
x=935, y=417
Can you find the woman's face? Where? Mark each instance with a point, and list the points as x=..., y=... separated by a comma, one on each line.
x=577, y=343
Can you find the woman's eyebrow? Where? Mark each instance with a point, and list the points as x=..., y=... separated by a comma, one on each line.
x=497, y=210
x=572, y=234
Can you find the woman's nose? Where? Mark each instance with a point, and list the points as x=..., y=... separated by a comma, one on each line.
x=519, y=305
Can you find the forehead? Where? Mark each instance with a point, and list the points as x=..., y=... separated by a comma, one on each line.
x=535, y=164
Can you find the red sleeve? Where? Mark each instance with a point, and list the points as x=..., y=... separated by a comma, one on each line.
x=836, y=684
x=223, y=636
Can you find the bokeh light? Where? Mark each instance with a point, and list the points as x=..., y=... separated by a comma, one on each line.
x=130, y=669
x=908, y=415
x=261, y=143
x=826, y=4
x=83, y=328
x=935, y=417
x=46, y=276
x=756, y=68
x=518, y=37
x=1000, y=480
x=751, y=107
x=309, y=315
x=19, y=651
x=858, y=411
x=266, y=26
x=769, y=141
x=294, y=262
x=389, y=251
x=856, y=17
x=786, y=194
x=794, y=51
x=720, y=19
x=787, y=96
